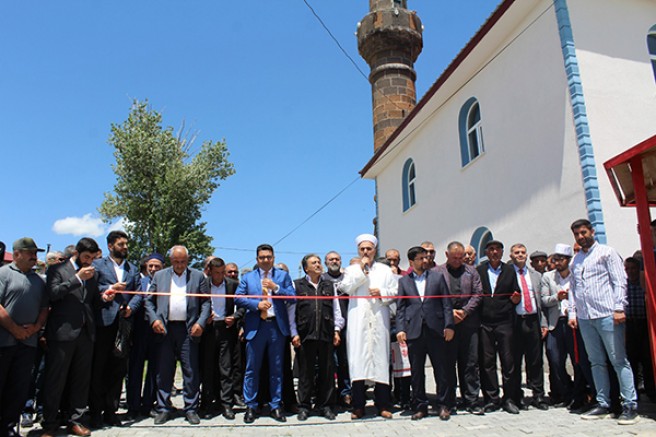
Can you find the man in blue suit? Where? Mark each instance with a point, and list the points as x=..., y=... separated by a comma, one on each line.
x=266, y=325
x=178, y=321
x=427, y=326
x=115, y=273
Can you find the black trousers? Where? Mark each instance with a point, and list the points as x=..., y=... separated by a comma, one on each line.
x=382, y=395
x=177, y=344
x=16, y=364
x=498, y=338
x=144, y=349
x=466, y=344
x=583, y=381
x=218, y=371
x=639, y=354
x=342, y=367
x=107, y=372
x=317, y=374
x=559, y=380
x=528, y=345
x=442, y=358
x=68, y=369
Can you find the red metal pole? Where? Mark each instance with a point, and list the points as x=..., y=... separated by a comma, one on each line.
x=647, y=245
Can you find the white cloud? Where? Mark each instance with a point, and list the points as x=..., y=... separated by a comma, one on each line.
x=85, y=225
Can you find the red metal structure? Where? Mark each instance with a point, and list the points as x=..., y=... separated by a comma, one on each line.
x=633, y=177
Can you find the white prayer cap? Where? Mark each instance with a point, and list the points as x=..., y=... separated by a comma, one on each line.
x=564, y=250
x=366, y=237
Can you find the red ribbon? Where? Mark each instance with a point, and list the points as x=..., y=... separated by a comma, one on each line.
x=295, y=297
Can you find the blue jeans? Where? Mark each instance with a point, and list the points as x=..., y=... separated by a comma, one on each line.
x=602, y=336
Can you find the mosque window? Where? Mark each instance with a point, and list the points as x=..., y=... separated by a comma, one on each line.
x=408, y=184
x=471, y=131
x=479, y=240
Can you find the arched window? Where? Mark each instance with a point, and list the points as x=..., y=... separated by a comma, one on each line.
x=408, y=184
x=471, y=131
x=479, y=239
x=651, y=45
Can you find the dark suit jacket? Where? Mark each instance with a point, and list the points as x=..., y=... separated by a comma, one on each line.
x=470, y=285
x=251, y=285
x=230, y=308
x=498, y=307
x=411, y=314
x=71, y=303
x=106, y=278
x=198, y=308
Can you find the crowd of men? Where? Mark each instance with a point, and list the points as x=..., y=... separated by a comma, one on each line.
x=70, y=341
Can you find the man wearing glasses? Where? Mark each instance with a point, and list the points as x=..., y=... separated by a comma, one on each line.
x=266, y=325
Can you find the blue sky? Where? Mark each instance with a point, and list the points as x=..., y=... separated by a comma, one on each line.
x=263, y=75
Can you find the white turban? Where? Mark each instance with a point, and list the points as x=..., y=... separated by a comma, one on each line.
x=366, y=237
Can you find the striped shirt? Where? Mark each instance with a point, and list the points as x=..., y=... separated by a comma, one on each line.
x=599, y=285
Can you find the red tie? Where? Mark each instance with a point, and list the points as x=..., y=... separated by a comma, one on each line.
x=528, y=304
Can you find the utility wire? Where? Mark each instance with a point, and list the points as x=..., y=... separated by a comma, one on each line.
x=317, y=211
x=357, y=67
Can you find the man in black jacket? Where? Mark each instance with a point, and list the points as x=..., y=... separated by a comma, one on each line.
x=70, y=332
x=219, y=344
x=315, y=331
x=500, y=295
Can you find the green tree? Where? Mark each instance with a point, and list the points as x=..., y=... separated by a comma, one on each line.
x=161, y=187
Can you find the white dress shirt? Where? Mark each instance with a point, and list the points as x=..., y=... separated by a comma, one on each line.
x=119, y=269
x=178, y=298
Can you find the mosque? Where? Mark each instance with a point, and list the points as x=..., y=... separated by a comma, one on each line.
x=510, y=140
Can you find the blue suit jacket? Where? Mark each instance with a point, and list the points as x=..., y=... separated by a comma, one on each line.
x=251, y=285
x=198, y=308
x=106, y=278
x=437, y=313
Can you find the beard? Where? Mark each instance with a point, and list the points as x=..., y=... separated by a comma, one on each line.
x=119, y=254
x=334, y=268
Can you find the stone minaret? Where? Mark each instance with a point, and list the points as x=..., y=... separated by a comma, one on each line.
x=389, y=39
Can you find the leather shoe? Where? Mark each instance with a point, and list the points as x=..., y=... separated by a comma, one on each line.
x=347, y=400
x=444, y=413
x=491, y=407
x=192, y=418
x=510, y=407
x=328, y=413
x=418, y=415
x=276, y=414
x=249, y=417
x=302, y=415
x=476, y=410
x=385, y=414
x=131, y=416
x=239, y=402
x=541, y=404
x=78, y=429
x=112, y=419
x=228, y=413
x=161, y=418
x=357, y=414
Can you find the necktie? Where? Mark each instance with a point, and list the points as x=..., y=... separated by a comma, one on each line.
x=528, y=304
x=265, y=292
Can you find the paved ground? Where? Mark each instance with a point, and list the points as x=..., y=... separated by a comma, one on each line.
x=555, y=422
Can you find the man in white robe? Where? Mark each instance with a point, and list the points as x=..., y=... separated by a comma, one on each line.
x=368, y=336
